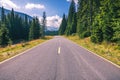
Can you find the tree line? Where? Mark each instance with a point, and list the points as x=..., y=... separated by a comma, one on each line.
x=97, y=19
x=14, y=28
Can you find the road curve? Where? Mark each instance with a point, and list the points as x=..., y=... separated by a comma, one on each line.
x=58, y=59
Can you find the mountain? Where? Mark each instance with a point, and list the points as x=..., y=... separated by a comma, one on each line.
x=49, y=28
x=19, y=13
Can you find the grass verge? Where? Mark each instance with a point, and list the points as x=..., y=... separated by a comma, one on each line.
x=13, y=50
x=109, y=51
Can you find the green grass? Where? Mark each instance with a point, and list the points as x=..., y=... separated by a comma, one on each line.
x=109, y=51
x=13, y=50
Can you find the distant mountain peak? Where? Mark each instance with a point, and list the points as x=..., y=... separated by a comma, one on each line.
x=49, y=28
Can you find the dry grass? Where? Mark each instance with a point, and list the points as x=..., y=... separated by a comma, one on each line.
x=109, y=51
x=13, y=50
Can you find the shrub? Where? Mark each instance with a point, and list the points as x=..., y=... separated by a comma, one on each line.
x=74, y=34
x=93, y=39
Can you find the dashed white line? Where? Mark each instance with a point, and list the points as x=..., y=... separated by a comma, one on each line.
x=59, y=50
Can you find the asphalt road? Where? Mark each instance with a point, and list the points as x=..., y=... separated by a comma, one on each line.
x=58, y=59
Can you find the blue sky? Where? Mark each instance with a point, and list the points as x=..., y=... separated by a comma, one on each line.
x=54, y=8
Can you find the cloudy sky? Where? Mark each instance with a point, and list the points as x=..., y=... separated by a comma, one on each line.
x=54, y=8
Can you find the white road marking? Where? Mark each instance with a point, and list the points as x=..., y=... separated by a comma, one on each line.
x=59, y=50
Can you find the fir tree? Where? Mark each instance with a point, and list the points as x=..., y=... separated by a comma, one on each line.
x=74, y=24
x=4, y=35
x=37, y=28
x=3, y=15
x=63, y=25
x=32, y=30
x=70, y=18
x=43, y=25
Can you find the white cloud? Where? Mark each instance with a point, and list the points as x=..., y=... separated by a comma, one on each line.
x=53, y=21
x=76, y=1
x=9, y=4
x=31, y=6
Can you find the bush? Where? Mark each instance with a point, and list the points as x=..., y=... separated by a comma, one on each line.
x=99, y=35
x=74, y=34
x=85, y=34
x=93, y=39
x=108, y=33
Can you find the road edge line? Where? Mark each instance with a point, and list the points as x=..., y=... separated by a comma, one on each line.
x=6, y=60
x=96, y=54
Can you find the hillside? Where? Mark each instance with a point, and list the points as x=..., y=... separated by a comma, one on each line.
x=19, y=13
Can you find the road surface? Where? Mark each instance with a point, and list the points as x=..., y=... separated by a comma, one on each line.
x=58, y=59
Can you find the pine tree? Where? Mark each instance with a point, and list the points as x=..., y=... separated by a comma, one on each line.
x=63, y=25
x=99, y=35
x=83, y=18
x=18, y=27
x=4, y=35
x=37, y=28
x=32, y=30
x=11, y=19
x=70, y=18
x=114, y=18
x=116, y=35
x=43, y=25
x=26, y=28
x=3, y=15
x=107, y=33
x=74, y=24
x=105, y=22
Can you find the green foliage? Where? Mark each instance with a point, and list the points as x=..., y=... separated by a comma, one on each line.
x=99, y=19
x=84, y=17
x=85, y=34
x=99, y=35
x=43, y=25
x=14, y=28
x=37, y=27
x=107, y=33
x=26, y=25
x=116, y=35
x=63, y=26
x=34, y=29
x=71, y=18
x=2, y=15
x=4, y=35
x=93, y=39
x=74, y=24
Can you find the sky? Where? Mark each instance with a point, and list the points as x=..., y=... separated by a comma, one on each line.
x=54, y=8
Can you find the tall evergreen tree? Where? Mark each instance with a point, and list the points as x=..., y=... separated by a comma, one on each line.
x=4, y=35
x=83, y=17
x=72, y=11
x=107, y=33
x=32, y=30
x=11, y=19
x=114, y=18
x=43, y=25
x=18, y=27
x=26, y=28
x=74, y=24
x=3, y=15
x=108, y=14
x=37, y=31
x=63, y=25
